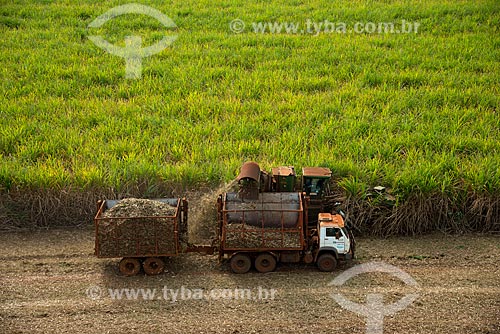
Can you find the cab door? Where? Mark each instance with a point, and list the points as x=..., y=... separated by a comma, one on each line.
x=328, y=237
x=339, y=241
x=334, y=238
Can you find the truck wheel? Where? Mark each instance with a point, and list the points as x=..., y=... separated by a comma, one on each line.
x=130, y=266
x=327, y=262
x=265, y=263
x=240, y=263
x=153, y=266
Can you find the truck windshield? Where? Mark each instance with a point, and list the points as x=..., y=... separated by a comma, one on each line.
x=313, y=186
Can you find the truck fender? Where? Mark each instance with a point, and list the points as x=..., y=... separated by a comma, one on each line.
x=323, y=250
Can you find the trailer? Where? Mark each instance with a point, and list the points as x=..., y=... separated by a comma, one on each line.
x=141, y=241
x=273, y=228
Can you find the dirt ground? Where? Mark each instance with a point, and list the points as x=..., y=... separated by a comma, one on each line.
x=50, y=282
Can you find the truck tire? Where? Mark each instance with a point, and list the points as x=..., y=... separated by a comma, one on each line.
x=327, y=262
x=130, y=266
x=265, y=263
x=153, y=266
x=240, y=263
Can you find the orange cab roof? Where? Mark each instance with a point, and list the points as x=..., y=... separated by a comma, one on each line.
x=327, y=219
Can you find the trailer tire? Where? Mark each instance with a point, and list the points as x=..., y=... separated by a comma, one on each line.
x=265, y=263
x=130, y=266
x=153, y=266
x=240, y=263
x=327, y=262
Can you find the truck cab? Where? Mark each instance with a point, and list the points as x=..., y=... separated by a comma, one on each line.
x=315, y=181
x=315, y=184
x=335, y=242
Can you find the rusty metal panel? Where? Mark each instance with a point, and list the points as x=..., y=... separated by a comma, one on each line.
x=269, y=210
x=284, y=171
x=316, y=172
x=249, y=170
x=283, y=179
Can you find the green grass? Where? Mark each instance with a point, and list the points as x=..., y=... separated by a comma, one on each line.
x=414, y=112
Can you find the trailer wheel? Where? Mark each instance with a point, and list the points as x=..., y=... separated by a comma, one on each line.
x=240, y=263
x=265, y=263
x=153, y=266
x=327, y=262
x=130, y=266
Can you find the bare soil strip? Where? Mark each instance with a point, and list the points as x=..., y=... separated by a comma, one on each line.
x=45, y=277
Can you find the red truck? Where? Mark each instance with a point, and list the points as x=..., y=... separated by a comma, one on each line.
x=274, y=228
